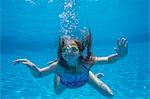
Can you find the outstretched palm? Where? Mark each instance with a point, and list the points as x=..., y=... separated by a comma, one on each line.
x=122, y=47
x=23, y=61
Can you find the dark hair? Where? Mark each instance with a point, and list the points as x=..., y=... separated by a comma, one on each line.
x=81, y=46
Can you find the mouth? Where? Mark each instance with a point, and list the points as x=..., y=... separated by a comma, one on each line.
x=70, y=56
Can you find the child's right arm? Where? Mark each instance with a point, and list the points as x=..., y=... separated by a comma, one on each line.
x=35, y=71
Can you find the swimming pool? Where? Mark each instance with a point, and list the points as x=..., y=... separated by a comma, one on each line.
x=30, y=29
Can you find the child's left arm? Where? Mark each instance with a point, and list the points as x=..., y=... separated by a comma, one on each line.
x=121, y=51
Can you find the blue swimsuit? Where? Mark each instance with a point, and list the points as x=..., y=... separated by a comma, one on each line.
x=74, y=81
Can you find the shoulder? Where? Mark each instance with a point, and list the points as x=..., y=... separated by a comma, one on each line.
x=56, y=66
x=89, y=60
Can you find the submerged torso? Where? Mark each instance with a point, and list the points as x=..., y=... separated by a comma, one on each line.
x=75, y=80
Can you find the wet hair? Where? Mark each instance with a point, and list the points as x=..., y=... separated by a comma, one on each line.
x=81, y=46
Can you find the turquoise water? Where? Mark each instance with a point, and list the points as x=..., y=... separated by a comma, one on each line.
x=30, y=29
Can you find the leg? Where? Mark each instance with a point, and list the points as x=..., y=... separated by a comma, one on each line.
x=58, y=87
x=101, y=87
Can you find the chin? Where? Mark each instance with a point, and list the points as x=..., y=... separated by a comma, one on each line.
x=71, y=59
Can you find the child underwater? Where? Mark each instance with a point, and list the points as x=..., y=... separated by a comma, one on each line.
x=72, y=68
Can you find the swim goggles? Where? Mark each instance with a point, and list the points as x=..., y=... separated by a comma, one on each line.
x=72, y=48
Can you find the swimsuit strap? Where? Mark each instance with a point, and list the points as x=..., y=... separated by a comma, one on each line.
x=88, y=69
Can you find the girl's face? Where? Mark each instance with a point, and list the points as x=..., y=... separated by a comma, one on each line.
x=70, y=52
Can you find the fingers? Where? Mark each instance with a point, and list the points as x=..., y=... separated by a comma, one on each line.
x=126, y=44
x=122, y=42
x=19, y=60
x=118, y=42
x=15, y=61
x=116, y=49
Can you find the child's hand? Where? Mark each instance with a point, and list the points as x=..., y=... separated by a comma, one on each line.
x=23, y=61
x=122, y=47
